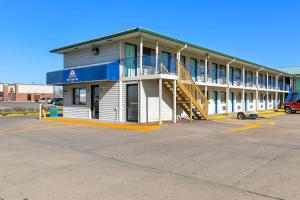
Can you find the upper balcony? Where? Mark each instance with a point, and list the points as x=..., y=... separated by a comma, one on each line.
x=151, y=65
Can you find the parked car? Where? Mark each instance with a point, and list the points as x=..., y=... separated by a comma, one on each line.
x=49, y=101
x=55, y=101
x=58, y=101
x=292, y=107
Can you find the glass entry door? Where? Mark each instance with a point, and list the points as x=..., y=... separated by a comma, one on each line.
x=95, y=95
x=130, y=60
x=132, y=102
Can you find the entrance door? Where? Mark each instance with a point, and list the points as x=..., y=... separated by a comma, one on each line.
x=132, y=102
x=28, y=97
x=215, y=100
x=232, y=101
x=214, y=72
x=95, y=94
x=193, y=68
x=246, y=101
x=165, y=60
x=130, y=60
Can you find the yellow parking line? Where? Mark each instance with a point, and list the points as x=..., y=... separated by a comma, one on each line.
x=136, y=127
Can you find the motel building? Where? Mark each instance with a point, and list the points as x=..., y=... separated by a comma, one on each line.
x=142, y=76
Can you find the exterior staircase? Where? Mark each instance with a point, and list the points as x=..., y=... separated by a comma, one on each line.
x=188, y=94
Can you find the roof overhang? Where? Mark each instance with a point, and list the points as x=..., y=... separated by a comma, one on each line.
x=164, y=39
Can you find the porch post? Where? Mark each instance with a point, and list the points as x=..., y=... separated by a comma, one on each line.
x=120, y=111
x=243, y=100
x=227, y=88
x=156, y=58
x=243, y=75
x=174, y=102
x=267, y=99
x=276, y=93
x=206, y=65
x=256, y=94
x=141, y=56
x=291, y=84
x=160, y=99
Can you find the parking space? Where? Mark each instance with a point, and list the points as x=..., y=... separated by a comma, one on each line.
x=215, y=159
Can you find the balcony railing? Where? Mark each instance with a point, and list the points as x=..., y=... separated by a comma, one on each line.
x=150, y=66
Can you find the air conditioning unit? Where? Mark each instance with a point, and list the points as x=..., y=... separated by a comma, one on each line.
x=95, y=51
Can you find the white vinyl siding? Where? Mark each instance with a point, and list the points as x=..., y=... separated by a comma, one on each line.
x=75, y=111
x=109, y=101
x=150, y=102
x=81, y=57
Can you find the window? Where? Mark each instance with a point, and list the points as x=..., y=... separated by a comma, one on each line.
x=222, y=97
x=251, y=98
x=261, y=98
x=79, y=96
x=182, y=60
x=148, y=57
x=1, y=94
x=238, y=74
x=202, y=69
x=222, y=71
x=270, y=97
x=238, y=97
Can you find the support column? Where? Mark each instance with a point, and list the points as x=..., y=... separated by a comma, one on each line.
x=160, y=100
x=227, y=89
x=156, y=57
x=206, y=66
x=267, y=99
x=243, y=74
x=140, y=103
x=141, y=56
x=256, y=93
x=276, y=93
x=243, y=100
x=206, y=91
x=291, y=84
x=121, y=67
x=174, y=102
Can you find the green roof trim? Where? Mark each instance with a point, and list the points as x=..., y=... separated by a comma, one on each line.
x=142, y=30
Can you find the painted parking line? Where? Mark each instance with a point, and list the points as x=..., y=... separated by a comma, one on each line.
x=136, y=127
x=36, y=127
x=243, y=126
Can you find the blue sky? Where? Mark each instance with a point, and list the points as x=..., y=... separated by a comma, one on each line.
x=263, y=31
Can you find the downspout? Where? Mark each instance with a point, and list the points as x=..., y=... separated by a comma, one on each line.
x=181, y=49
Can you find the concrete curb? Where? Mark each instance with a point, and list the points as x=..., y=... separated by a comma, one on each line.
x=104, y=124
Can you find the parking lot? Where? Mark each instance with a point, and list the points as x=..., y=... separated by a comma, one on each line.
x=215, y=159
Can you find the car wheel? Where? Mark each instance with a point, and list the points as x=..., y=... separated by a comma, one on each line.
x=293, y=111
x=241, y=116
x=288, y=110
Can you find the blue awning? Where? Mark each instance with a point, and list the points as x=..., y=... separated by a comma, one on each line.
x=106, y=71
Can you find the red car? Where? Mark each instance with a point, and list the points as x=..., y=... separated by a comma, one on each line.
x=292, y=107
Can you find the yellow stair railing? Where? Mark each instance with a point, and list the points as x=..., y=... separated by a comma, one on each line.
x=192, y=91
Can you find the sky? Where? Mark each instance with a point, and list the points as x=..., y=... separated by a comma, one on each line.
x=262, y=31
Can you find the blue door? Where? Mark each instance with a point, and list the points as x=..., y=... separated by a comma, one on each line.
x=214, y=72
x=130, y=60
x=165, y=60
x=193, y=68
x=246, y=100
x=245, y=78
x=231, y=75
x=215, y=99
x=232, y=101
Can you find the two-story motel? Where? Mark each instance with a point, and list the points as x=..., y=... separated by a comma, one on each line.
x=142, y=76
